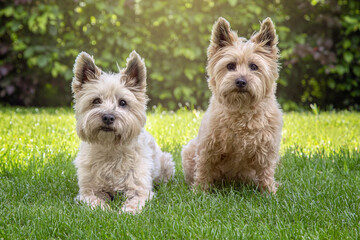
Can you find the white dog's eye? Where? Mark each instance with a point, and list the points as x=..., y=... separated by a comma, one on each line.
x=96, y=101
x=253, y=66
x=122, y=103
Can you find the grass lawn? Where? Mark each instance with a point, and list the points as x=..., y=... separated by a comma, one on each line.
x=319, y=196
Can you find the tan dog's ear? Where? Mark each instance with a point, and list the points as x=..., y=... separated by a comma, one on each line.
x=221, y=36
x=135, y=72
x=267, y=36
x=84, y=70
x=221, y=33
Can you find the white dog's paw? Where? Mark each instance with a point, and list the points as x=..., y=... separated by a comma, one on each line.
x=130, y=209
x=92, y=201
x=136, y=204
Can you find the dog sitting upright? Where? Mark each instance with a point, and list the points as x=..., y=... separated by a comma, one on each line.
x=239, y=136
x=116, y=153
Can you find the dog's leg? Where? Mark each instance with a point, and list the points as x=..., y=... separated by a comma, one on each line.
x=204, y=173
x=265, y=175
x=188, y=160
x=266, y=180
x=138, y=189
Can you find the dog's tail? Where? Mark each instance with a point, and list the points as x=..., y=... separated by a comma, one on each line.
x=167, y=166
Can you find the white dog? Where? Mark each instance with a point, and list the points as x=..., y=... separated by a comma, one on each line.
x=116, y=153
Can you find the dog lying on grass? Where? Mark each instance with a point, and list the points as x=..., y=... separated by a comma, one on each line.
x=116, y=153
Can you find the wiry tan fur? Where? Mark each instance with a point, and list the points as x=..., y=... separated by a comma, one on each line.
x=125, y=158
x=239, y=136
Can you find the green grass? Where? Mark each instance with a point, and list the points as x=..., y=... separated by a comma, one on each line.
x=319, y=196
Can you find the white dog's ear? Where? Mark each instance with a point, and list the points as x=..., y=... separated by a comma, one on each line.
x=135, y=72
x=221, y=36
x=267, y=35
x=84, y=70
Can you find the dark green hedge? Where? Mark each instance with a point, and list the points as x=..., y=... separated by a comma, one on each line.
x=319, y=42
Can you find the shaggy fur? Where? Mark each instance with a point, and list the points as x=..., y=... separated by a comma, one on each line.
x=116, y=153
x=239, y=136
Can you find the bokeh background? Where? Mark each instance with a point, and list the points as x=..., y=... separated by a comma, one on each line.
x=319, y=43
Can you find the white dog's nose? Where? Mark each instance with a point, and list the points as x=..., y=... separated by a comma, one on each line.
x=108, y=119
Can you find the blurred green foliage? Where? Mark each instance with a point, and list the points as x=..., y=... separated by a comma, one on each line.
x=321, y=54
x=319, y=42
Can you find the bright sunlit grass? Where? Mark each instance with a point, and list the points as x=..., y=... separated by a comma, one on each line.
x=319, y=196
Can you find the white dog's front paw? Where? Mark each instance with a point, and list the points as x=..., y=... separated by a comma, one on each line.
x=135, y=204
x=92, y=201
x=130, y=209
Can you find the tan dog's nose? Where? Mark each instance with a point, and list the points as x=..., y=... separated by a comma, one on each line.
x=240, y=82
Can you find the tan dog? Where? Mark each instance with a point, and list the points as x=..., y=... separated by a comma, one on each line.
x=116, y=153
x=239, y=136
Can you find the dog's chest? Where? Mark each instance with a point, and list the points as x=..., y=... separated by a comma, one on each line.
x=112, y=173
x=236, y=139
x=236, y=147
x=237, y=144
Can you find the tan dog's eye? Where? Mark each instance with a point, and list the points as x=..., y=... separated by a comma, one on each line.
x=96, y=101
x=231, y=66
x=253, y=67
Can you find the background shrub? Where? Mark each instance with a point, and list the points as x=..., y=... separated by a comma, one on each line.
x=319, y=42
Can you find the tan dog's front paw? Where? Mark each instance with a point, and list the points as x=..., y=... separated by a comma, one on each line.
x=203, y=186
x=270, y=188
